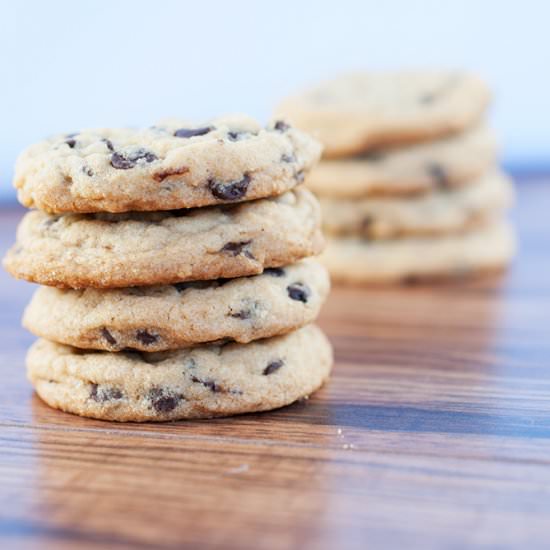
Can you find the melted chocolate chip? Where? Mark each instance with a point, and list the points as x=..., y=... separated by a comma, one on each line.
x=192, y=132
x=145, y=337
x=299, y=292
x=439, y=175
x=124, y=162
x=163, y=400
x=366, y=225
x=275, y=271
x=104, y=393
x=207, y=383
x=71, y=142
x=288, y=158
x=242, y=314
x=236, y=248
x=273, y=366
x=374, y=155
x=108, y=336
x=51, y=220
x=109, y=144
x=180, y=287
x=231, y=191
x=426, y=99
x=281, y=126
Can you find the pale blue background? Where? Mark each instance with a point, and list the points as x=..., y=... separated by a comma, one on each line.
x=72, y=64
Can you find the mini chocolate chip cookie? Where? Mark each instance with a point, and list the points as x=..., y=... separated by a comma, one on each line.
x=359, y=112
x=201, y=382
x=169, y=166
x=149, y=248
x=158, y=318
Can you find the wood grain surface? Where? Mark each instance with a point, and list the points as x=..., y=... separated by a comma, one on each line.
x=434, y=432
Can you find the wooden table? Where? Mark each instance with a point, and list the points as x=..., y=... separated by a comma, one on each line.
x=433, y=432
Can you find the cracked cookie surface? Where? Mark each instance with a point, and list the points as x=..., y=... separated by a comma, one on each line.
x=167, y=317
x=148, y=248
x=170, y=166
x=356, y=112
x=201, y=382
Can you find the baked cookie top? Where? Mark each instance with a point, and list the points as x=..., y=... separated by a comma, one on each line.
x=147, y=248
x=174, y=164
x=158, y=318
x=356, y=112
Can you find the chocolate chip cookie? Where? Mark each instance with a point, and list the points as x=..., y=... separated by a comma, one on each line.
x=169, y=166
x=159, y=318
x=437, y=165
x=200, y=382
x=355, y=260
x=359, y=112
x=149, y=248
x=436, y=213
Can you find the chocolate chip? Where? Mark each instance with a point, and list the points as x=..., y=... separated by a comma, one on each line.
x=427, y=98
x=124, y=162
x=299, y=292
x=109, y=144
x=299, y=176
x=366, y=225
x=88, y=171
x=180, y=287
x=236, y=136
x=193, y=132
x=273, y=366
x=374, y=155
x=207, y=383
x=161, y=176
x=108, y=336
x=439, y=175
x=236, y=248
x=163, y=400
x=281, y=126
x=275, y=271
x=104, y=393
x=242, y=314
x=145, y=337
x=71, y=142
x=411, y=280
x=231, y=191
x=51, y=220
x=288, y=158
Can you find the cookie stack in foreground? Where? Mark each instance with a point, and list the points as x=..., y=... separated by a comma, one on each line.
x=409, y=185
x=175, y=259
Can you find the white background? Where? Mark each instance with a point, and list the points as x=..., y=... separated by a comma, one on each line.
x=72, y=64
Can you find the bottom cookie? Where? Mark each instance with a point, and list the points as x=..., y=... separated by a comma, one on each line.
x=354, y=260
x=200, y=382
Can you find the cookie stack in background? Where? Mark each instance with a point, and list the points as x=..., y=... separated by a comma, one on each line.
x=409, y=184
x=176, y=270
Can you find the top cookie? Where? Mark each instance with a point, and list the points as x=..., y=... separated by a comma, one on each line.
x=356, y=112
x=170, y=166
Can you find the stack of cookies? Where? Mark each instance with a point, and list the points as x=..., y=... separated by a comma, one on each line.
x=176, y=270
x=409, y=184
